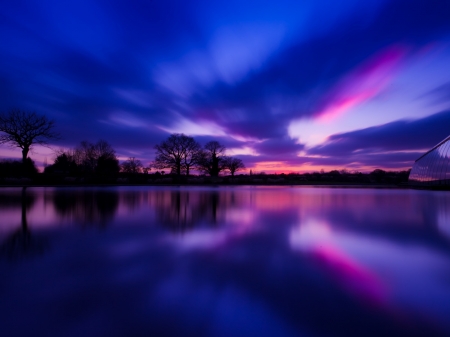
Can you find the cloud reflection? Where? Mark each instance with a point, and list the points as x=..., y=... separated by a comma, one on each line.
x=318, y=240
x=202, y=260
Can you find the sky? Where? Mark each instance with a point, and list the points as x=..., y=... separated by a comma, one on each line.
x=286, y=86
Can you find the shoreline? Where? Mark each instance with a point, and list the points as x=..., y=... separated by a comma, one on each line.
x=312, y=184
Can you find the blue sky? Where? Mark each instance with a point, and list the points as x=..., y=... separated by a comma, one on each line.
x=287, y=86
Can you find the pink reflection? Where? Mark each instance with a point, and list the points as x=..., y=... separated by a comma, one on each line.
x=317, y=239
x=354, y=277
x=364, y=83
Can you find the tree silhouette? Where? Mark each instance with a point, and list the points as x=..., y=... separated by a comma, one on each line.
x=15, y=168
x=87, y=159
x=191, y=155
x=212, y=158
x=178, y=152
x=233, y=165
x=64, y=164
x=99, y=158
x=132, y=165
x=24, y=129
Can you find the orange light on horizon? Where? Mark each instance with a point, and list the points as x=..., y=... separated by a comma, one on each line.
x=278, y=167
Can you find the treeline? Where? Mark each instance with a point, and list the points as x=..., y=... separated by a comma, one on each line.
x=131, y=171
x=182, y=154
x=96, y=161
x=377, y=176
x=179, y=154
x=176, y=159
x=18, y=169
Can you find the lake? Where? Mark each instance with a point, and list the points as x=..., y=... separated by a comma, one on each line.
x=224, y=261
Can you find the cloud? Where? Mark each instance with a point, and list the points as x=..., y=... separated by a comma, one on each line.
x=440, y=94
x=326, y=74
x=390, y=144
x=93, y=63
x=362, y=84
x=278, y=148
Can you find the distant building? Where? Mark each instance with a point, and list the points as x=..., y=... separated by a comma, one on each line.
x=433, y=167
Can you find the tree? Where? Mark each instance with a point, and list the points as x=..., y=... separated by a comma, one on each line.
x=212, y=158
x=132, y=165
x=99, y=158
x=233, y=165
x=107, y=165
x=15, y=168
x=178, y=152
x=191, y=155
x=64, y=164
x=378, y=175
x=25, y=129
x=88, y=158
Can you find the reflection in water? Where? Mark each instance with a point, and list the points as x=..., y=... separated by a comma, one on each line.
x=316, y=239
x=182, y=210
x=86, y=206
x=272, y=261
x=20, y=243
x=17, y=198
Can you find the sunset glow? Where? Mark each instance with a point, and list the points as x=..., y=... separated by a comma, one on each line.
x=286, y=87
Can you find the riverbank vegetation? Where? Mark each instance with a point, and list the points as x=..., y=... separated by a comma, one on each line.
x=179, y=159
x=64, y=172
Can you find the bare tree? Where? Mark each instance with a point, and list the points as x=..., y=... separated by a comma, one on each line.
x=97, y=158
x=132, y=165
x=87, y=159
x=64, y=163
x=212, y=158
x=191, y=155
x=233, y=165
x=25, y=129
x=178, y=152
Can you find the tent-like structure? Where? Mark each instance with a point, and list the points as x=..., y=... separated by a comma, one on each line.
x=433, y=168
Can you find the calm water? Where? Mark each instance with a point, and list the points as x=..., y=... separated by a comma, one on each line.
x=237, y=261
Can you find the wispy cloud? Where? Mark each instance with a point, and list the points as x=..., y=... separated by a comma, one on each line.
x=253, y=76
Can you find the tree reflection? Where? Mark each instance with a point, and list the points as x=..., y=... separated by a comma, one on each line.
x=14, y=199
x=20, y=243
x=183, y=210
x=86, y=206
x=133, y=200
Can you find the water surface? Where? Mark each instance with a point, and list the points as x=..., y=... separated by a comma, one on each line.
x=224, y=261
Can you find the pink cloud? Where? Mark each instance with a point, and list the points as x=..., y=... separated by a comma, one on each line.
x=362, y=84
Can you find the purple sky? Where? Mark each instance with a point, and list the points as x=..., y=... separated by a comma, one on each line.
x=285, y=85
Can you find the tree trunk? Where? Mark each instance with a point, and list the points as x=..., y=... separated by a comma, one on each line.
x=215, y=166
x=25, y=154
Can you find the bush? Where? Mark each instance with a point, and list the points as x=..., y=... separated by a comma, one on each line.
x=17, y=169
